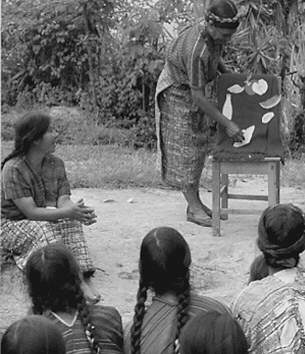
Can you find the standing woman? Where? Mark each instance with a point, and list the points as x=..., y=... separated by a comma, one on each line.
x=164, y=267
x=192, y=60
x=36, y=208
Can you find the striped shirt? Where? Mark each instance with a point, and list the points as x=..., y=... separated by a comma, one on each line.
x=20, y=180
x=108, y=331
x=160, y=323
x=193, y=58
x=271, y=313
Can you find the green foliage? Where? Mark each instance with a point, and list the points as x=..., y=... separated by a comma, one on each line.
x=105, y=55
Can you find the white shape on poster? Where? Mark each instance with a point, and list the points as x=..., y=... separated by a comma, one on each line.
x=227, y=109
x=235, y=89
x=247, y=133
x=271, y=102
x=266, y=118
x=260, y=87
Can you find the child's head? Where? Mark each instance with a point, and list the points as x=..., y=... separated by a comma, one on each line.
x=53, y=278
x=281, y=235
x=32, y=335
x=164, y=260
x=213, y=333
x=164, y=264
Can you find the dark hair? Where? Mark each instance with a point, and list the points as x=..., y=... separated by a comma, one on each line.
x=223, y=14
x=54, y=283
x=32, y=126
x=164, y=266
x=258, y=269
x=213, y=333
x=33, y=335
x=281, y=235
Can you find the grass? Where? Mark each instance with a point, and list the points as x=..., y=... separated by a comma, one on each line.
x=113, y=166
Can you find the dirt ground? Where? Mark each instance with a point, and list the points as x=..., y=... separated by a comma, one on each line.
x=220, y=264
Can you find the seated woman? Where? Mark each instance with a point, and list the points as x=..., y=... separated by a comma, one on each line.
x=213, y=333
x=36, y=208
x=32, y=335
x=164, y=267
x=54, y=284
x=271, y=311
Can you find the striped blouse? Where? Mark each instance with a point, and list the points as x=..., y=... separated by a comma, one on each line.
x=192, y=57
x=160, y=323
x=108, y=331
x=271, y=312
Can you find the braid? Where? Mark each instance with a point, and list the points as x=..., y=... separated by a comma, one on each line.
x=37, y=307
x=14, y=153
x=86, y=322
x=138, y=319
x=182, y=310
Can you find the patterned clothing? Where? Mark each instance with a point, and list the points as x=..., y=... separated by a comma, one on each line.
x=20, y=236
x=19, y=180
x=192, y=58
x=108, y=331
x=184, y=139
x=160, y=323
x=271, y=313
x=191, y=62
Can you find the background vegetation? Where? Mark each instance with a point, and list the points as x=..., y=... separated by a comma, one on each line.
x=104, y=57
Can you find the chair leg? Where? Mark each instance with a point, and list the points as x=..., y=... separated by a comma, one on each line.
x=224, y=196
x=216, y=198
x=278, y=179
x=272, y=184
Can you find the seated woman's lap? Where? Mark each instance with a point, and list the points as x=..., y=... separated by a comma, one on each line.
x=21, y=237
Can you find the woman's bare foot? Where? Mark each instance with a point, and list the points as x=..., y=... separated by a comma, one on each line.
x=199, y=217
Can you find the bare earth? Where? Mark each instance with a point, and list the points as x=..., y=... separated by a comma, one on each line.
x=220, y=264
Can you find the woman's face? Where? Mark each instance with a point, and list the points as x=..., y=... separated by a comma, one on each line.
x=46, y=143
x=220, y=36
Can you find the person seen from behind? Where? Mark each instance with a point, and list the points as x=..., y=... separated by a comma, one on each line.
x=164, y=267
x=54, y=285
x=271, y=311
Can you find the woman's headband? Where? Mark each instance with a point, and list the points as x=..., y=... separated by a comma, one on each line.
x=222, y=22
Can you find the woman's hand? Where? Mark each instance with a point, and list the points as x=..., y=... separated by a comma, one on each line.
x=233, y=131
x=79, y=211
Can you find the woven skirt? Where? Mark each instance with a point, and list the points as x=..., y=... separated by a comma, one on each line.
x=184, y=134
x=21, y=238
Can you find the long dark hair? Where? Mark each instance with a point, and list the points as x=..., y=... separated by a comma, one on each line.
x=213, y=333
x=54, y=284
x=281, y=235
x=164, y=266
x=32, y=126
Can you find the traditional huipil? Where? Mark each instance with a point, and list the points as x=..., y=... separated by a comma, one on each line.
x=182, y=130
x=21, y=236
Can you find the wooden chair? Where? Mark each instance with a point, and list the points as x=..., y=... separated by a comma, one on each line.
x=221, y=170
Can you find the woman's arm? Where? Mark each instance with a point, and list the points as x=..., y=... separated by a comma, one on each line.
x=64, y=201
x=207, y=107
x=74, y=211
x=222, y=68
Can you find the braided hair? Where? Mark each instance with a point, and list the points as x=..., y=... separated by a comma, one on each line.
x=223, y=14
x=164, y=267
x=32, y=126
x=54, y=284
